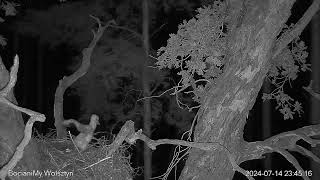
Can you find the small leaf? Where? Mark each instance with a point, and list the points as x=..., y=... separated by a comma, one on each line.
x=287, y=113
x=266, y=96
x=297, y=107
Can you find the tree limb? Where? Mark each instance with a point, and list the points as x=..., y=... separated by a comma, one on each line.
x=287, y=37
x=282, y=143
x=311, y=91
x=34, y=116
x=125, y=131
x=128, y=134
x=86, y=131
x=13, y=77
x=67, y=81
x=292, y=160
x=4, y=75
x=306, y=152
x=18, y=154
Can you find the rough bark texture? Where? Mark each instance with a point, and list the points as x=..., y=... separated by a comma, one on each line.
x=223, y=114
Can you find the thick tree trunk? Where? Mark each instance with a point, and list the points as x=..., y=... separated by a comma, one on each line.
x=223, y=114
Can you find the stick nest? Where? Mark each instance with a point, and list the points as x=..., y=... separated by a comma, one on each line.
x=62, y=155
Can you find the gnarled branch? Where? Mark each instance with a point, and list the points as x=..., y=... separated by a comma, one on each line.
x=34, y=116
x=282, y=143
x=13, y=77
x=67, y=81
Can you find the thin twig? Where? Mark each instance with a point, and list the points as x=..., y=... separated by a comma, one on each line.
x=156, y=96
x=129, y=30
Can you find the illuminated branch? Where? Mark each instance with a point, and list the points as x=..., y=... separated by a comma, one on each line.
x=34, y=116
x=18, y=154
x=128, y=134
x=156, y=96
x=67, y=81
x=306, y=152
x=311, y=91
x=287, y=37
x=282, y=143
x=86, y=131
x=13, y=77
x=4, y=74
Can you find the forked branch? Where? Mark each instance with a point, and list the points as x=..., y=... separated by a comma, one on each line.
x=283, y=143
x=67, y=81
x=34, y=116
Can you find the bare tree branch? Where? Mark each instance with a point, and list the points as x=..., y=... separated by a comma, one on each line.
x=152, y=144
x=67, y=81
x=311, y=91
x=292, y=160
x=6, y=90
x=86, y=131
x=125, y=131
x=18, y=154
x=128, y=134
x=34, y=116
x=306, y=152
x=282, y=143
x=13, y=77
x=4, y=75
x=286, y=38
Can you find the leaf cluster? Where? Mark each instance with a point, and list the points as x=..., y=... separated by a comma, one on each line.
x=198, y=49
x=285, y=68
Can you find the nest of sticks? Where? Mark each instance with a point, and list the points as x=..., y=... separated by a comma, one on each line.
x=61, y=155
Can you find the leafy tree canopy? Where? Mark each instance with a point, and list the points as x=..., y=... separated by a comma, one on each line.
x=198, y=49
